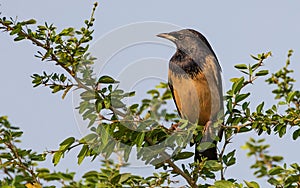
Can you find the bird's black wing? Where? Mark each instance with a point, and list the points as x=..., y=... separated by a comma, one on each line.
x=173, y=94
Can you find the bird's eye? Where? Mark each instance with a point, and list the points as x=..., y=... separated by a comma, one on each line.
x=180, y=37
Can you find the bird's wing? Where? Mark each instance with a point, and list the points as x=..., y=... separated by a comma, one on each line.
x=175, y=97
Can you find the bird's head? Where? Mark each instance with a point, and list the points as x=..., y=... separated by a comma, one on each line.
x=188, y=41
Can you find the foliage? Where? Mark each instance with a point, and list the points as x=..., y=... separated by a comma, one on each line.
x=118, y=128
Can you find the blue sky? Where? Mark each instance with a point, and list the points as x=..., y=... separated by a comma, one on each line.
x=235, y=29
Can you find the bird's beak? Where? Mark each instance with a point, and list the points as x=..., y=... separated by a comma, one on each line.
x=167, y=36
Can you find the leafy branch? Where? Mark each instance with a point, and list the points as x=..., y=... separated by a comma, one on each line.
x=117, y=128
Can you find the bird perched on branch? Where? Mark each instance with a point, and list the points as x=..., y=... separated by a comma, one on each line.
x=195, y=81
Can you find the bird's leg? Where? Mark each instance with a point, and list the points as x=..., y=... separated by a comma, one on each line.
x=207, y=127
x=175, y=126
x=208, y=132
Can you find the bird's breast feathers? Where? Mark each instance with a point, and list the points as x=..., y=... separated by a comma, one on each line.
x=196, y=94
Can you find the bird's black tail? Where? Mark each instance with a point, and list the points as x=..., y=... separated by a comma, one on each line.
x=207, y=147
x=209, y=153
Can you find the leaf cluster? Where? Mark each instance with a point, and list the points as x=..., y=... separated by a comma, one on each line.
x=158, y=135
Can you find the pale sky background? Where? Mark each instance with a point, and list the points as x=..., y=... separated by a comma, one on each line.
x=235, y=29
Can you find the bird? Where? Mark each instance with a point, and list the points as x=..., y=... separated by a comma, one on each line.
x=194, y=78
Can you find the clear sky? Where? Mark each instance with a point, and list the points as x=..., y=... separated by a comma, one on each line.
x=235, y=29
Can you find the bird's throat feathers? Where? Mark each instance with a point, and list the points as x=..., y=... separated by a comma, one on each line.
x=181, y=64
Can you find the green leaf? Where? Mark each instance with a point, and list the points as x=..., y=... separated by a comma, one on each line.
x=276, y=170
x=127, y=152
x=254, y=57
x=252, y=184
x=241, y=66
x=277, y=158
x=117, y=103
x=229, y=105
x=241, y=97
x=296, y=134
x=262, y=73
x=236, y=87
x=124, y=177
x=82, y=154
x=292, y=179
x=66, y=32
x=31, y=21
x=140, y=139
x=99, y=105
x=183, y=155
x=89, y=138
x=222, y=184
x=66, y=143
x=56, y=88
x=291, y=96
x=15, y=30
x=213, y=165
x=107, y=80
x=259, y=108
x=229, y=159
x=255, y=66
x=109, y=148
x=56, y=157
x=234, y=79
x=19, y=38
x=273, y=181
x=88, y=95
x=107, y=102
x=91, y=174
x=116, y=179
x=42, y=170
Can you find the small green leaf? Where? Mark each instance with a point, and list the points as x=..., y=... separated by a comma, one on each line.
x=115, y=180
x=107, y=80
x=107, y=102
x=236, y=87
x=223, y=184
x=254, y=57
x=241, y=97
x=56, y=88
x=82, y=154
x=43, y=170
x=234, y=79
x=276, y=170
x=31, y=21
x=229, y=105
x=117, y=103
x=56, y=157
x=127, y=152
x=291, y=96
x=19, y=38
x=213, y=165
x=140, y=139
x=277, y=158
x=262, y=73
x=183, y=155
x=125, y=177
x=66, y=143
x=273, y=181
x=109, y=148
x=296, y=134
x=259, y=108
x=252, y=184
x=241, y=66
x=89, y=138
x=88, y=95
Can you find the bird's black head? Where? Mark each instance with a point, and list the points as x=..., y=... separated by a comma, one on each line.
x=189, y=41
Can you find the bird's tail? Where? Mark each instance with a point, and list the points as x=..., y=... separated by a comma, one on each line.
x=207, y=147
x=209, y=153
